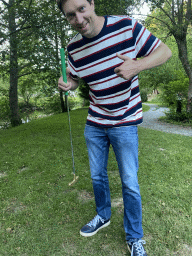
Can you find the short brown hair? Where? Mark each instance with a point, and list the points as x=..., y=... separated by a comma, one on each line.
x=60, y=4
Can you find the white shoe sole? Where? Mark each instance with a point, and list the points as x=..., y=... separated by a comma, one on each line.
x=93, y=233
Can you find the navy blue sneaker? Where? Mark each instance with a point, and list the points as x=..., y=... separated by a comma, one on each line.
x=94, y=226
x=135, y=247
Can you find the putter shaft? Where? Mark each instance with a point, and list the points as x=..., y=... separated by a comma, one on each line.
x=74, y=180
x=66, y=93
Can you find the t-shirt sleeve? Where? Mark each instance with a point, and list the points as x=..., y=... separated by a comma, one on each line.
x=73, y=73
x=145, y=42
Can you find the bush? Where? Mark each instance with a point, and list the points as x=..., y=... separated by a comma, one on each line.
x=184, y=116
x=4, y=105
x=26, y=107
x=4, y=109
x=53, y=104
x=84, y=90
x=175, y=93
x=143, y=93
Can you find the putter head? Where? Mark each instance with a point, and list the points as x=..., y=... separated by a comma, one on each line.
x=74, y=180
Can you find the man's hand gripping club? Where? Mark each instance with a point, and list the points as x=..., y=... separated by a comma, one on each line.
x=65, y=86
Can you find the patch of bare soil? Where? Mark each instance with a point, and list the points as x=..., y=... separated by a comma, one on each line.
x=2, y=174
x=15, y=207
x=85, y=196
x=185, y=250
x=118, y=203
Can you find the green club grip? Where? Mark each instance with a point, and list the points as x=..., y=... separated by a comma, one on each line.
x=63, y=67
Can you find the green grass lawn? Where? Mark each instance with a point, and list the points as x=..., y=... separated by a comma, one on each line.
x=41, y=215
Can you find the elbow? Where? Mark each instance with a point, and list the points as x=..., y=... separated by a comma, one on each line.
x=169, y=53
x=165, y=51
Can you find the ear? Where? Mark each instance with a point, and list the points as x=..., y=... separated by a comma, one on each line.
x=92, y=3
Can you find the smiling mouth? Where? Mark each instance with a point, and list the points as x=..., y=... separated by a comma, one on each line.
x=83, y=27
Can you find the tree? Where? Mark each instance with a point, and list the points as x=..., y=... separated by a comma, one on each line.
x=114, y=7
x=154, y=78
x=176, y=16
x=31, y=41
x=13, y=97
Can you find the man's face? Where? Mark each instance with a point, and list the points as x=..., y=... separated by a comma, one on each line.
x=81, y=15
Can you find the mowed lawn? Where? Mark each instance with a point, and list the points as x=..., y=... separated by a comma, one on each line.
x=41, y=215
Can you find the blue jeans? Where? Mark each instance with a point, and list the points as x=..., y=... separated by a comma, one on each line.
x=124, y=141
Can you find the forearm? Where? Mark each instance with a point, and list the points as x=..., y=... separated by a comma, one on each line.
x=131, y=68
x=158, y=57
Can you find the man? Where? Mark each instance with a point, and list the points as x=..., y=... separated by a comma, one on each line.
x=105, y=54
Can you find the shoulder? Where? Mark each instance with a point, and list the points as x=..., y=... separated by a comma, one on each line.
x=76, y=40
x=120, y=19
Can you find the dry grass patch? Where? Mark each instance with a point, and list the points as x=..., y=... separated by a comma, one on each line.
x=13, y=206
x=185, y=250
x=2, y=174
x=85, y=196
x=118, y=203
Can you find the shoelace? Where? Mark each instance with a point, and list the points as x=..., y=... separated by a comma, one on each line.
x=138, y=247
x=94, y=221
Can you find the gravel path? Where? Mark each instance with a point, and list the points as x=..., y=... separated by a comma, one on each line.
x=150, y=120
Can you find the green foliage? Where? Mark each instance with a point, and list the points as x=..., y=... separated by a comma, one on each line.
x=36, y=33
x=179, y=117
x=144, y=93
x=154, y=77
x=175, y=95
x=4, y=103
x=176, y=91
x=53, y=104
x=173, y=18
x=28, y=87
x=4, y=108
x=113, y=7
x=83, y=89
x=163, y=74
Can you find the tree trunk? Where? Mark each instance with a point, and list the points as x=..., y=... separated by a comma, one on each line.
x=189, y=105
x=183, y=56
x=13, y=96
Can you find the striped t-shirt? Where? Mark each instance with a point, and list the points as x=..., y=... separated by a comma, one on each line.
x=113, y=101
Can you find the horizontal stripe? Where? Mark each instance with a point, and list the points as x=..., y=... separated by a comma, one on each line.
x=103, y=123
x=114, y=96
x=88, y=58
x=112, y=90
x=100, y=41
x=109, y=29
x=125, y=123
x=113, y=100
x=127, y=113
x=114, y=105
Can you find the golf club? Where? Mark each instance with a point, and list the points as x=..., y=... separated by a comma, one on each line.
x=66, y=93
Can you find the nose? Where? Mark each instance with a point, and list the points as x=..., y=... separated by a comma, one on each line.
x=79, y=18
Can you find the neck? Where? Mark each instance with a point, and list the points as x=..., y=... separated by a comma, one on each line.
x=99, y=22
